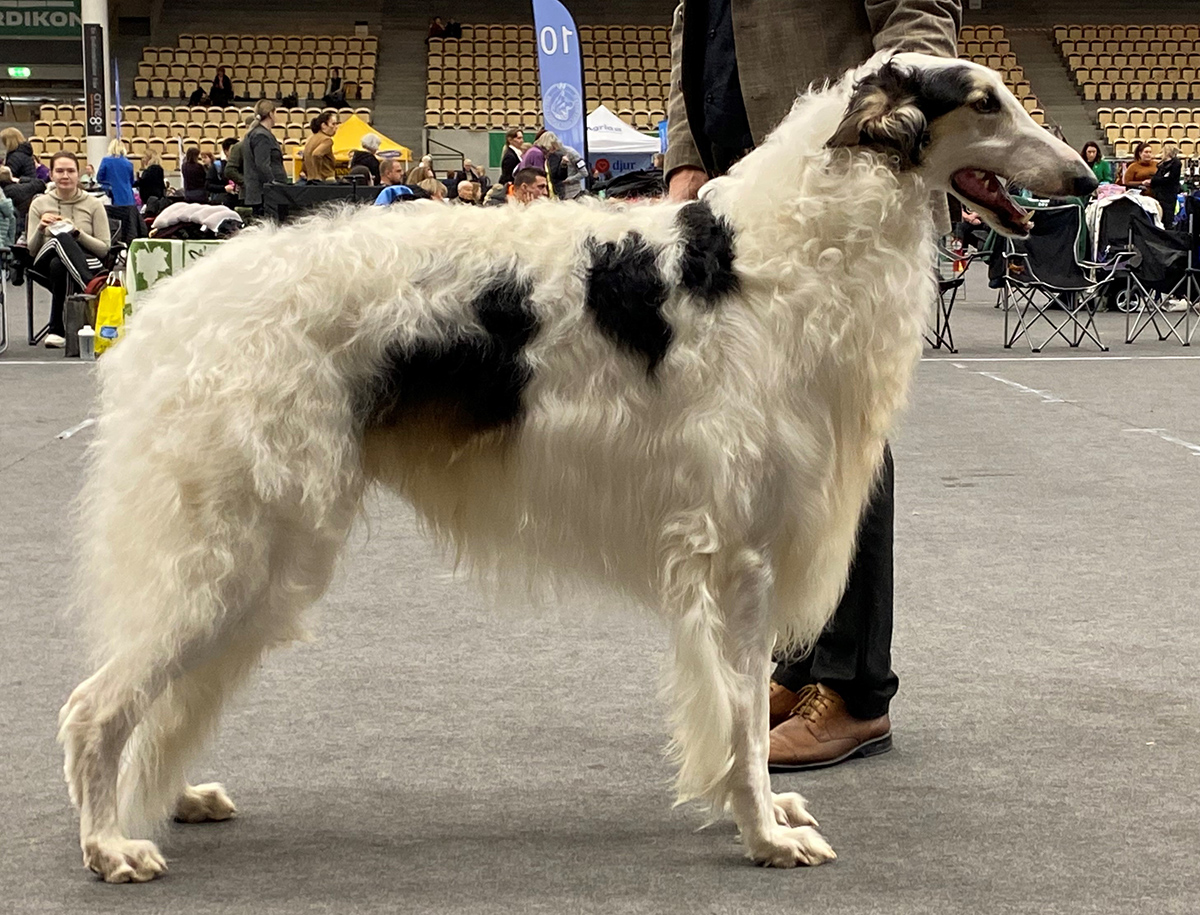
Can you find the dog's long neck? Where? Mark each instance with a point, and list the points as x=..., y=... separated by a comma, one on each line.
x=840, y=198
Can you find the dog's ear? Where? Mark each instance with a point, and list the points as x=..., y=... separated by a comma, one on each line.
x=884, y=115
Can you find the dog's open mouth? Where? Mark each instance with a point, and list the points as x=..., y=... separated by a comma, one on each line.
x=985, y=191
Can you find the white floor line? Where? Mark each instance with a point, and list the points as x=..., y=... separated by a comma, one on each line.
x=78, y=427
x=1167, y=437
x=954, y=360
x=1046, y=396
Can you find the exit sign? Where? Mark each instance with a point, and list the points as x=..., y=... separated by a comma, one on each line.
x=19, y=73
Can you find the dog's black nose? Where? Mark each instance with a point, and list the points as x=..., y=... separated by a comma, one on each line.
x=1085, y=184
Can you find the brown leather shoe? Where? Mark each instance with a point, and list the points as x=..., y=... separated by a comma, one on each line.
x=783, y=700
x=820, y=732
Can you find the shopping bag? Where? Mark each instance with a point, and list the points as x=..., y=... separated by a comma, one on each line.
x=110, y=314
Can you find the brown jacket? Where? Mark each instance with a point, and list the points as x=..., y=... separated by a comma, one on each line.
x=319, y=164
x=786, y=45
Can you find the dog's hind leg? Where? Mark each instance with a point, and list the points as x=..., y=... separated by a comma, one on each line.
x=721, y=669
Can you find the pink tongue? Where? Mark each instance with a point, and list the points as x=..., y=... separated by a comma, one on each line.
x=985, y=188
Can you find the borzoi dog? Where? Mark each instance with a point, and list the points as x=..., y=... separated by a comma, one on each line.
x=684, y=402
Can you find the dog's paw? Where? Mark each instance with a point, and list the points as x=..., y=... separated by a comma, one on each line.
x=788, y=846
x=120, y=860
x=204, y=804
x=790, y=810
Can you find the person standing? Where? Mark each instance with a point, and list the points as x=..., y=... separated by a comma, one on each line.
x=193, y=173
x=115, y=175
x=514, y=147
x=319, y=162
x=152, y=182
x=1143, y=167
x=262, y=156
x=1165, y=184
x=733, y=79
x=68, y=234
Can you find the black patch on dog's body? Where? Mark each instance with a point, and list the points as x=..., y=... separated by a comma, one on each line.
x=707, y=261
x=625, y=297
x=479, y=376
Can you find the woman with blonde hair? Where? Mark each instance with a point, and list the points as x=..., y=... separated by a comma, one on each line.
x=1165, y=185
x=547, y=155
x=434, y=188
x=115, y=175
x=420, y=171
x=18, y=154
x=151, y=182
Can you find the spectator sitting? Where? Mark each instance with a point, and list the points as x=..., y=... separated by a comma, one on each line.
x=529, y=184
x=514, y=146
x=420, y=171
x=477, y=175
x=198, y=97
x=391, y=172
x=115, y=175
x=1139, y=172
x=18, y=154
x=453, y=28
x=368, y=156
x=468, y=193
x=434, y=188
x=1165, y=184
x=151, y=183
x=335, y=97
x=319, y=162
x=437, y=29
x=214, y=177
x=221, y=91
x=1092, y=156
x=87, y=180
x=193, y=176
x=68, y=234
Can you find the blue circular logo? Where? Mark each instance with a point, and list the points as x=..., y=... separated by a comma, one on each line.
x=564, y=106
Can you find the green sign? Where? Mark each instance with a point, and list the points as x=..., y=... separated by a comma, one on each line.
x=39, y=19
x=19, y=72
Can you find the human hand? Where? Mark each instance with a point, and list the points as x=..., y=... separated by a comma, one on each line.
x=686, y=182
x=49, y=218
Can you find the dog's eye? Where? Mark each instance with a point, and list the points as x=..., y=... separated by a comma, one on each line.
x=987, y=104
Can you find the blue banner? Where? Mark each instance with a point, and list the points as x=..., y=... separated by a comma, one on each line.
x=561, y=66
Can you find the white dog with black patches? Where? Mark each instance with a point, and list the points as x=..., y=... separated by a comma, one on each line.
x=687, y=403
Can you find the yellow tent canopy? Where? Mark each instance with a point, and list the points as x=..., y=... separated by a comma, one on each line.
x=349, y=138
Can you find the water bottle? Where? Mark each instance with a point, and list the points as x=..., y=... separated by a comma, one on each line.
x=87, y=343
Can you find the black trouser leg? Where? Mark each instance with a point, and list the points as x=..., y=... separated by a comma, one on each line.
x=853, y=656
x=60, y=285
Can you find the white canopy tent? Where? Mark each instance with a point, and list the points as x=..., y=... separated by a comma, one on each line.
x=610, y=138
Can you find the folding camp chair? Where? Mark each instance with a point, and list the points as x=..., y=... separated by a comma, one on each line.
x=1158, y=272
x=952, y=274
x=1045, y=280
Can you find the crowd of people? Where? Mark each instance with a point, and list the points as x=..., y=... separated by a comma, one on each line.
x=1158, y=177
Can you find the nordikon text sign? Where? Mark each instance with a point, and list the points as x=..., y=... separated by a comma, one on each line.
x=39, y=19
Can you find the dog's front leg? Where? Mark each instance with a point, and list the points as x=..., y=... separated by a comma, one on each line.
x=777, y=828
x=719, y=686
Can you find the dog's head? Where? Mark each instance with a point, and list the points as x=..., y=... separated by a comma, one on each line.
x=958, y=125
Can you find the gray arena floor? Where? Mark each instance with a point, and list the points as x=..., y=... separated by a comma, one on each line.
x=425, y=754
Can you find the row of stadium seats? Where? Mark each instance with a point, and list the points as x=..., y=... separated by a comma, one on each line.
x=1118, y=32
x=252, y=89
x=489, y=77
x=1132, y=63
x=1124, y=127
x=133, y=114
x=260, y=66
x=307, y=44
x=167, y=147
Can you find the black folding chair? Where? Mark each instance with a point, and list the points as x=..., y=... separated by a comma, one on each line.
x=34, y=276
x=938, y=335
x=1046, y=285
x=1159, y=278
